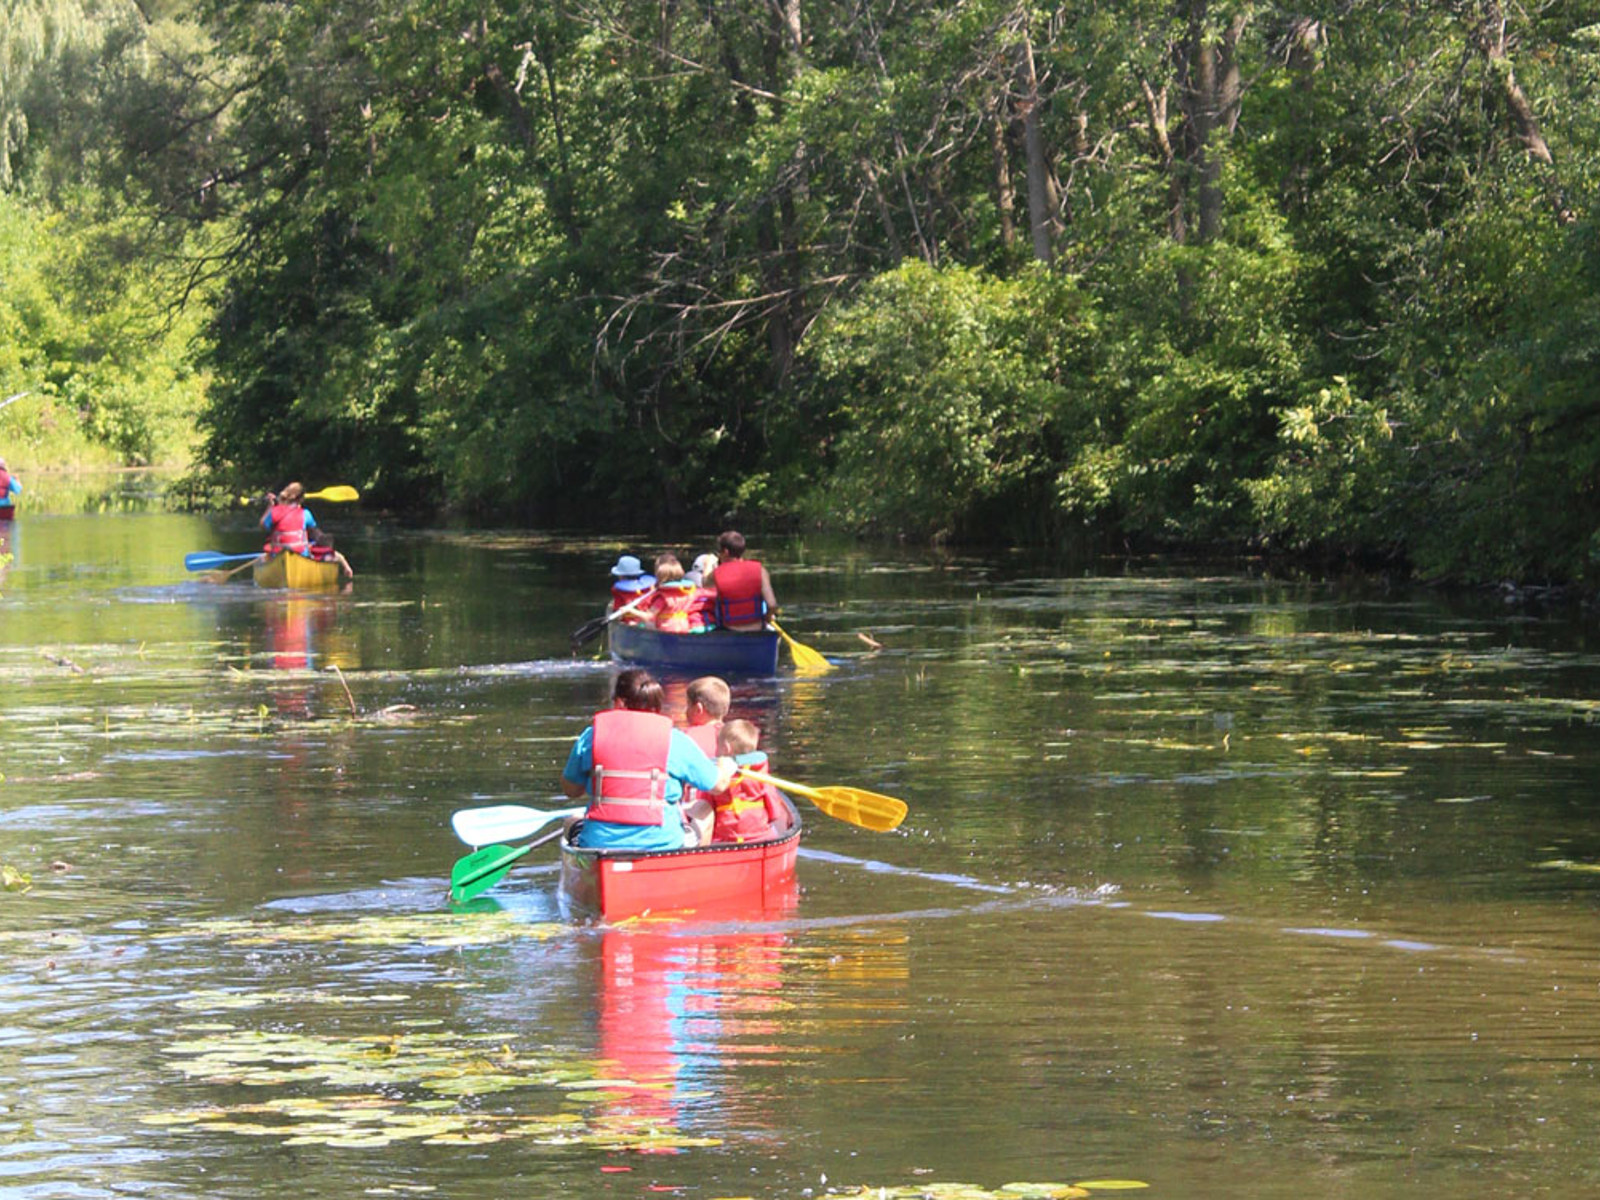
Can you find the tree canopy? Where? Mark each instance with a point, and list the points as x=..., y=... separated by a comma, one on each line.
x=1191, y=273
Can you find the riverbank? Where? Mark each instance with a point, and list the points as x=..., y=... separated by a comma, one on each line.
x=41, y=433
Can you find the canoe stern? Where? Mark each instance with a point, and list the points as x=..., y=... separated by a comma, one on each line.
x=752, y=879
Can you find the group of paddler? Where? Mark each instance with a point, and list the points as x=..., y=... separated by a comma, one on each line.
x=724, y=590
x=653, y=786
x=290, y=528
x=650, y=786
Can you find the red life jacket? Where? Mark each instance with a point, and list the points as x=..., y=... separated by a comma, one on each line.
x=629, y=779
x=621, y=597
x=742, y=809
x=674, y=609
x=288, y=528
x=320, y=553
x=702, y=609
x=739, y=599
x=705, y=736
x=5, y=492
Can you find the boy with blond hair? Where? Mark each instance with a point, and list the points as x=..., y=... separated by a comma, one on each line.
x=708, y=699
x=742, y=812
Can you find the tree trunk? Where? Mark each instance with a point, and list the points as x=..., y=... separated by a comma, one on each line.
x=784, y=275
x=1486, y=29
x=1155, y=104
x=1211, y=102
x=891, y=235
x=1033, y=142
x=1005, y=189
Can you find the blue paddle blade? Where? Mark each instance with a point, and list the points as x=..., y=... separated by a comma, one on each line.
x=205, y=560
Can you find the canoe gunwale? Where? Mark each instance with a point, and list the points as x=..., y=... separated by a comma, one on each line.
x=612, y=853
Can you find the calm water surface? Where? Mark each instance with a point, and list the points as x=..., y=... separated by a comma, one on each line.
x=1216, y=884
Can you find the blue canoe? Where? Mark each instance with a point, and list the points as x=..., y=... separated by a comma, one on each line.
x=714, y=652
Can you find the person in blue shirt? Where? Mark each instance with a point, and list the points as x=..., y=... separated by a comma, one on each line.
x=10, y=486
x=633, y=765
x=288, y=524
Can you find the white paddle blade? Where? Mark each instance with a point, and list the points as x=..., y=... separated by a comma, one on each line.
x=504, y=822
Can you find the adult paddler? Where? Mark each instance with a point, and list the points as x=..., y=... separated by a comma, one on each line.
x=744, y=589
x=288, y=525
x=633, y=766
x=10, y=488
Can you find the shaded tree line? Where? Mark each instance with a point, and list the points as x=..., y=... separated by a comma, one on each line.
x=1193, y=272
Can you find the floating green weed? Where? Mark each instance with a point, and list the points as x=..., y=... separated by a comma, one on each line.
x=1008, y=1191
x=417, y=929
x=13, y=880
x=424, y=1087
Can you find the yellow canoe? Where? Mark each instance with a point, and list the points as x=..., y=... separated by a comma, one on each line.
x=286, y=570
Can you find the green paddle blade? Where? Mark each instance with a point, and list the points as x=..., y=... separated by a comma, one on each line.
x=481, y=870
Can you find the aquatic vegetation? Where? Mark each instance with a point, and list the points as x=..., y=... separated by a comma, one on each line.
x=1006, y=1191
x=419, y=1086
x=414, y=929
x=365, y=1089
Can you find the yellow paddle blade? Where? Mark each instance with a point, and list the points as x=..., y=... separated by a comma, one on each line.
x=869, y=810
x=339, y=494
x=805, y=658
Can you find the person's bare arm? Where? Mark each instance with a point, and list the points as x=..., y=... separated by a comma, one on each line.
x=766, y=591
x=572, y=790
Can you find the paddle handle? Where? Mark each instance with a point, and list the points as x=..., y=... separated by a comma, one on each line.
x=590, y=630
x=630, y=607
x=210, y=560
x=799, y=789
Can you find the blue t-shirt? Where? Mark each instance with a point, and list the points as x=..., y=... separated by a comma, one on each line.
x=686, y=764
x=311, y=522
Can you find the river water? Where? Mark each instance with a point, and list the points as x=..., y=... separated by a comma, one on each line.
x=1212, y=883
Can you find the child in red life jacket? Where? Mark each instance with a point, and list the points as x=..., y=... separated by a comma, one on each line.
x=708, y=700
x=629, y=583
x=322, y=551
x=744, y=811
x=670, y=607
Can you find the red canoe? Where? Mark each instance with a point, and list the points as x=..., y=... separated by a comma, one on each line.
x=723, y=880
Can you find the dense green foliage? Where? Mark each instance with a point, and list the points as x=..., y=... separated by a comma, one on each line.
x=1189, y=273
